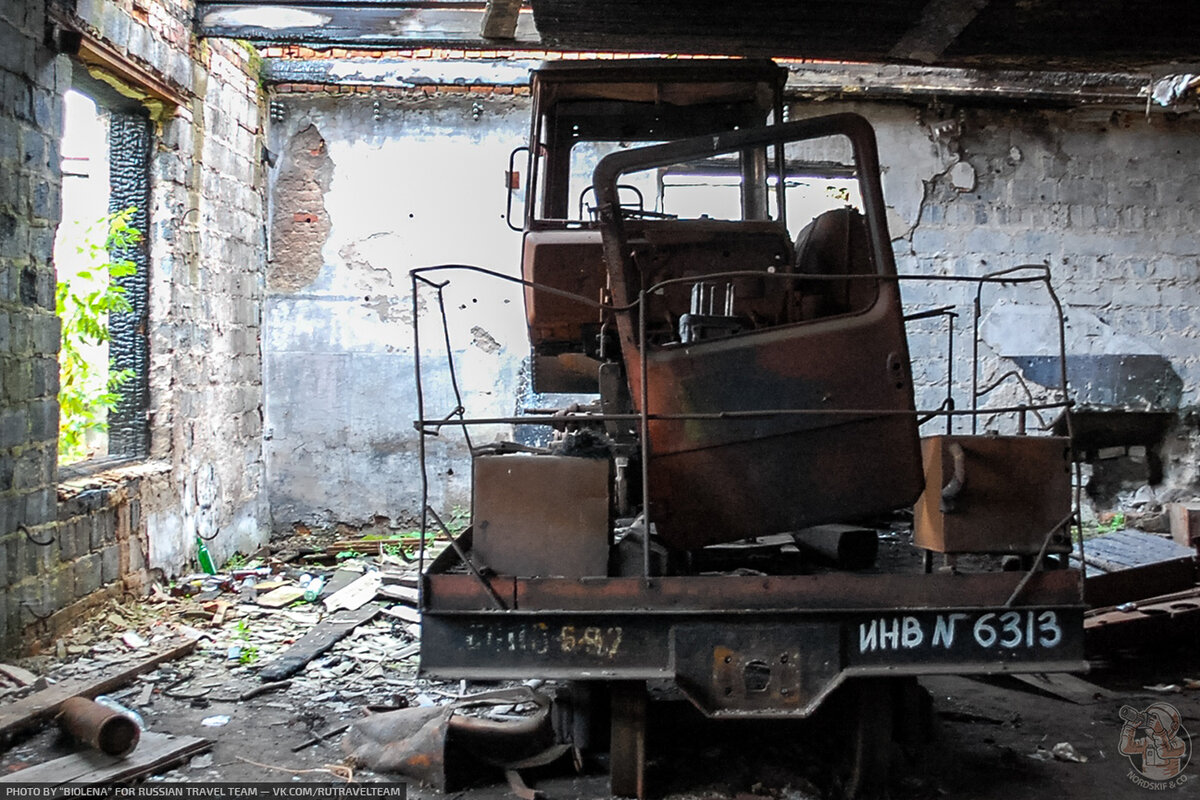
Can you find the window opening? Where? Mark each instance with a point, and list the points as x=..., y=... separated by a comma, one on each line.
x=101, y=260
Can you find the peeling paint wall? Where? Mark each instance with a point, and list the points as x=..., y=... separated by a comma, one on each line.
x=1105, y=199
x=416, y=181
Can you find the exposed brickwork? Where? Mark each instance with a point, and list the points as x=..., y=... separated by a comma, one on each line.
x=108, y=535
x=297, y=238
x=31, y=82
x=399, y=91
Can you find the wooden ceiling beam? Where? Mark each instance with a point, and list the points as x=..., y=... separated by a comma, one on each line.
x=940, y=24
x=500, y=19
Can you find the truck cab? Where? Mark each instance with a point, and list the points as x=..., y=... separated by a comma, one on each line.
x=720, y=279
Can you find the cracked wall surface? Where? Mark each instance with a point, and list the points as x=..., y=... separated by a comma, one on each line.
x=415, y=181
x=1103, y=197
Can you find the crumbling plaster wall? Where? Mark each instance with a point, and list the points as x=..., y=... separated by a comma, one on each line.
x=65, y=547
x=1107, y=199
x=365, y=188
x=1104, y=198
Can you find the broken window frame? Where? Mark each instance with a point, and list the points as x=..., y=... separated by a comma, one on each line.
x=130, y=143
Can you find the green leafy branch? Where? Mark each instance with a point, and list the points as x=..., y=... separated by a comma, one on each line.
x=85, y=303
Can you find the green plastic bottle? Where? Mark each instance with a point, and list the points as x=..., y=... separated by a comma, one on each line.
x=204, y=557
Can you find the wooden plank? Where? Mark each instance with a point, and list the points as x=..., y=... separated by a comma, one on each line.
x=1124, y=549
x=45, y=703
x=340, y=580
x=409, y=579
x=1065, y=686
x=403, y=594
x=155, y=751
x=1134, y=583
x=325, y=635
x=1185, y=523
x=940, y=24
x=500, y=19
x=356, y=595
x=410, y=615
x=278, y=598
x=22, y=676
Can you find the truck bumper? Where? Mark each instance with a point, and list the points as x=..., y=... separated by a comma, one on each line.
x=751, y=646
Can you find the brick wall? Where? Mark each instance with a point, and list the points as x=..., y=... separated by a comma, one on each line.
x=64, y=548
x=31, y=81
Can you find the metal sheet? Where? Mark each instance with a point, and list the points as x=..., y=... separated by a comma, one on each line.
x=793, y=471
x=691, y=648
x=1017, y=489
x=541, y=515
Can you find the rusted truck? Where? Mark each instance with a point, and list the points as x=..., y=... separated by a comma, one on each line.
x=742, y=414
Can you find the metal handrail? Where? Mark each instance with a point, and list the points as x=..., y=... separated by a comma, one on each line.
x=457, y=417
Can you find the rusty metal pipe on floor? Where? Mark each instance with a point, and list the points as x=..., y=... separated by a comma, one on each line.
x=103, y=728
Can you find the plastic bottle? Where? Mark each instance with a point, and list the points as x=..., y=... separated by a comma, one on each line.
x=204, y=557
x=108, y=702
x=312, y=590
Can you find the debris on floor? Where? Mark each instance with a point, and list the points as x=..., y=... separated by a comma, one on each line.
x=1125, y=566
x=511, y=729
x=1065, y=751
x=325, y=687
x=300, y=648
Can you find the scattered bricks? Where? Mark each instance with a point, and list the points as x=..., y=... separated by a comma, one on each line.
x=87, y=575
x=82, y=503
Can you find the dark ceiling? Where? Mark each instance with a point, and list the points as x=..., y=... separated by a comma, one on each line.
x=1062, y=34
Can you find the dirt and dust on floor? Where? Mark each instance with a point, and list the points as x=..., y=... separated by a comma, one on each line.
x=299, y=664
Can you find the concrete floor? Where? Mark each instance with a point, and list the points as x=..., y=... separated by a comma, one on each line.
x=988, y=742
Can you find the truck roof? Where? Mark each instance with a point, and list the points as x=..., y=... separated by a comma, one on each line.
x=665, y=80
